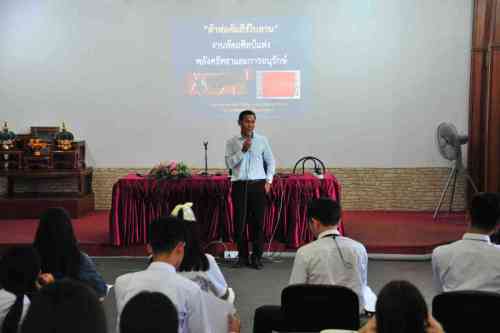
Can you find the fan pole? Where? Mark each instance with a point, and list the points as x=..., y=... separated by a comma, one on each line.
x=453, y=187
x=452, y=174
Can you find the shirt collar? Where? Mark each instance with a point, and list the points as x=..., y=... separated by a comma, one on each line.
x=161, y=265
x=477, y=237
x=325, y=233
x=242, y=138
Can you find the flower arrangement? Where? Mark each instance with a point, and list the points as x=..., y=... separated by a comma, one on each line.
x=172, y=170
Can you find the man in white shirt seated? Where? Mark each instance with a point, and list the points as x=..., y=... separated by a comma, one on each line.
x=472, y=263
x=167, y=246
x=331, y=259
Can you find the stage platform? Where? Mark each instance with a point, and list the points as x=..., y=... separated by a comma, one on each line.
x=389, y=232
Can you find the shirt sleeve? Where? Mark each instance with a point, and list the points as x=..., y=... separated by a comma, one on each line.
x=234, y=155
x=299, y=270
x=364, y=266
x=119, y=290
x=89, y=275
x=269, y=160
x=215, y=275
x=436, y=279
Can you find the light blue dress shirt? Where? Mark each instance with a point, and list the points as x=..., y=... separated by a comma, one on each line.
x=250, y=165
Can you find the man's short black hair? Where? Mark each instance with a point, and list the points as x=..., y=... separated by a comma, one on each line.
x=165, y=233
x=149, y=312
x=245, y=113
x=325, y=210
x=485, y=210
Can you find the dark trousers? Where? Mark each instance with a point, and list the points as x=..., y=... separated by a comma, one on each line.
x=249, y=204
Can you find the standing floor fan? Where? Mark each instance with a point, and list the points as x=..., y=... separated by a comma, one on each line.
x=450, y=146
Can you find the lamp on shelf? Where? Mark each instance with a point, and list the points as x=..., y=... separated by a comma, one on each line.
x=64, y=139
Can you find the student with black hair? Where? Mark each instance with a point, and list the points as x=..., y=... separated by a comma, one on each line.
x=401, y=308
x=149, y=312
x=472, y=263
x=332, y=258
x=60, y=256
x=65, y=306
x=19, y=270
x=166, y=243
x=198, y=266
x=250, y=159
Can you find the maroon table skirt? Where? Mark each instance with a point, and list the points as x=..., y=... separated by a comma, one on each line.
x=136, y=201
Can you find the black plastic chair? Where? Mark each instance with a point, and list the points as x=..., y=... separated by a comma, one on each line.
x=467, y=311
x=310, y=308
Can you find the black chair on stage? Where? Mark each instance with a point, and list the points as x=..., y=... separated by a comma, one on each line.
x=310, y=308
x=467, y=311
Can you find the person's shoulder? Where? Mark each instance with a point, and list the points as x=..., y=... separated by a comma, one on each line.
x=233, y=138
x=211, y=259
x=354, y=243
x=84, y=256
x=123, y=281
x=260, y=136
x=308, y=248
x=446, y=249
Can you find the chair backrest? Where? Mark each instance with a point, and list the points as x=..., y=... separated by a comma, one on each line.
x=467, y=311
x=311, y=307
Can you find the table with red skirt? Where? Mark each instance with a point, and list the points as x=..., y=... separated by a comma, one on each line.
x=138, y=200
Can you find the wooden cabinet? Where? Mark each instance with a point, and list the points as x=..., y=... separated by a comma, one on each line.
x=31, y=202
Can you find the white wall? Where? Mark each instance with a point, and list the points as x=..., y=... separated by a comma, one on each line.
x=386, y=72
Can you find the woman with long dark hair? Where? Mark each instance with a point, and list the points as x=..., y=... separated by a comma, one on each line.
x=401, y=308
x=19, y=270
x=60, y=256
x=197, y=265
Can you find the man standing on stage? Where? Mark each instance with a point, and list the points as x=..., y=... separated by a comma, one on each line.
x=251, y=161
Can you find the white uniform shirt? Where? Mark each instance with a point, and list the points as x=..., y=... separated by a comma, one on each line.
x=472, y=263
x=319, y=262
x=162, y=277
x=7, y=300
x=216, y=283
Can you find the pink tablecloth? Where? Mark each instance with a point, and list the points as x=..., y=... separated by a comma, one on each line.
x=136, y=201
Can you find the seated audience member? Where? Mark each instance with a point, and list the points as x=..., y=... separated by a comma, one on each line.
x=332, y=258
x=60, y=256
x=198, y=266
x=167, y=245
x=65, y=306
x=149, y=312
x=401, y=308
x=19, y=270
x=472, y=263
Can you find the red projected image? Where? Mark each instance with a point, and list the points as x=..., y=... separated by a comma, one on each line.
x=217, y=83
x=278, y=84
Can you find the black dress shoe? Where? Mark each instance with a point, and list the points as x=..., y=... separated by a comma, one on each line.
x=241, y=263
x=257, y=263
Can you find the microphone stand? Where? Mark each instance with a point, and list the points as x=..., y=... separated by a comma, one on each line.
x=205, y=144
